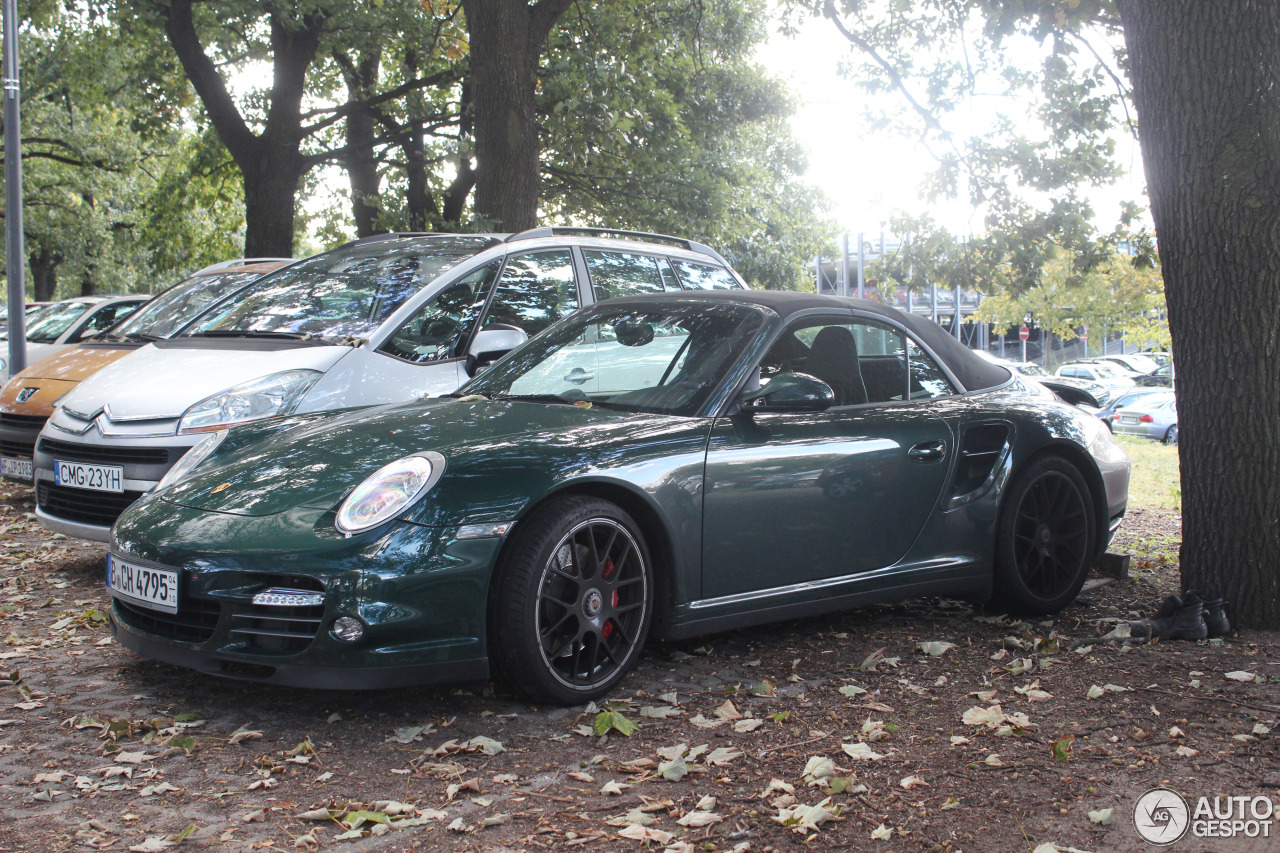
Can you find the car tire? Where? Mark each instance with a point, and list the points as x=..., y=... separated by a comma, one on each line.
x=1171, y=437
x=1045, y=538
x=571, y=601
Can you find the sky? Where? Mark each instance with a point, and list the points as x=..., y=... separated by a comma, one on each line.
x=870, y=176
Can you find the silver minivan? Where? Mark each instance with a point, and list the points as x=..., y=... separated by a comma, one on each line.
x=381, y=320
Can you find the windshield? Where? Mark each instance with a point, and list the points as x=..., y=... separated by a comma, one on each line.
x=180, y=304
x=347, y=293
x=665, y=358
x=56, y=319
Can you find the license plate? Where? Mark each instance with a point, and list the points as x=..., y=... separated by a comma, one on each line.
x=153, y=588
x=17, y=469
x=99, y=478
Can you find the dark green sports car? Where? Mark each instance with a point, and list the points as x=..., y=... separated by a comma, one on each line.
x=654, y=466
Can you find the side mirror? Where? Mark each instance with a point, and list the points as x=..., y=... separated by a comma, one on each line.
x=790, y=392
x=491, y=343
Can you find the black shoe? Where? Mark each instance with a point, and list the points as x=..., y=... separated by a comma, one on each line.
x=1172, y=604
x=1188, y=622
x=1157, y=626
x=1215, y=617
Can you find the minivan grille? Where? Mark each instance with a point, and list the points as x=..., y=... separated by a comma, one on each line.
x=82, y=505
x=112, y=455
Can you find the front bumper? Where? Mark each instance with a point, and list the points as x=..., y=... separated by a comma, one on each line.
x=18, y=438
x=421, y=594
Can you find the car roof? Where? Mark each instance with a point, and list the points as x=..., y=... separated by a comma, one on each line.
x=973, y=372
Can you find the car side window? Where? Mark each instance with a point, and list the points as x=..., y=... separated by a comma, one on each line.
x=437, y=330
x=927, y=379
x=705, y=277
x=624, y=274
x=862, y=361
x=105, y=319
x=535, y=290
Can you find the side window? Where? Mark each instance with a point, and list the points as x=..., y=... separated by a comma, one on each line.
x=927, y=380
x=536, y=290
x=437, y=330
x=621, y=274
x=105, y=319
x=863, y=362
x=705, y=277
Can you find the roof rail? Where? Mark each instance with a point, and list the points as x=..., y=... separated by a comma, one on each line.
x=396, y=235
x=235, y=262
x=557, y=230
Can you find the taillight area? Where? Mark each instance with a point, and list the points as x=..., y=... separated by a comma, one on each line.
x=1147, y=419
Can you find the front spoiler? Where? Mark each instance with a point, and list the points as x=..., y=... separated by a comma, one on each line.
x=301, y=675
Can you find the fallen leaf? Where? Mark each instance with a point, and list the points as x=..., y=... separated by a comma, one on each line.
x=154, y=844
x=1095, y=692
x=1102, y=816
x=935, y=648
x=605, y=722
x=1241, y=675
x=818, y=769
x=727, y=712
x=860, y=751
x=1062, y=748
x=913, y=782
x=881, y=833
x=747, y=724
x=636, y=832
x=698, y=819
x=1186, y=751
x=852, y=690
x=659, y=712
x=993, y=760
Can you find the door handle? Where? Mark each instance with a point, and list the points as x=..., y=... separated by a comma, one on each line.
x=577, y=376
x=928, y=451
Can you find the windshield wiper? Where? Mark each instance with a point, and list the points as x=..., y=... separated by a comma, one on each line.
x=253, y=333
x=141, y=336
x=538, y=398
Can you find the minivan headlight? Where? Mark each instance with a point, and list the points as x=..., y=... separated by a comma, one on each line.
x=389, y=491
x=267, y=397
x=199, y=452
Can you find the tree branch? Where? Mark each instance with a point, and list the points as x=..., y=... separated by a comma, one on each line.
x=181, y=29
x=1120, y=88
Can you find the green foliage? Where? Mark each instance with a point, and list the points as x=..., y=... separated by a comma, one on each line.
x=657, y=119
x=613, y=721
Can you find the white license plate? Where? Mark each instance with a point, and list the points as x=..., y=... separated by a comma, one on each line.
x=153, y=588
x=1128, y=421
x=18, y=469
x=99, y=478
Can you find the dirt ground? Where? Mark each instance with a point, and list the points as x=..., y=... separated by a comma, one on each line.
x=854, y=731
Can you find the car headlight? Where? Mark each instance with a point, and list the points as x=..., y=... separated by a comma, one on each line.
x=389, y=491
x=268, y=397
x=199, y=452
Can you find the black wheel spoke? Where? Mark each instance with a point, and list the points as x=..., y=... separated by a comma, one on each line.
x=1050, y=534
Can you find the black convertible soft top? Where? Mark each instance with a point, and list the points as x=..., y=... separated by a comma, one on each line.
x=974, y=372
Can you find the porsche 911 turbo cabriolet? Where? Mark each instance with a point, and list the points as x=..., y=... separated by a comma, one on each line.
x=656, y=466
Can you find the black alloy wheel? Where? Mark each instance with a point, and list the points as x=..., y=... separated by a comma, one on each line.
x=1045, y=539
x=571, y=603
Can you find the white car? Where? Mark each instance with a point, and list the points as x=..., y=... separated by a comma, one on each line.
x=64, y=324
x=1102, y=372
x=1134, y=364
x=382, y=320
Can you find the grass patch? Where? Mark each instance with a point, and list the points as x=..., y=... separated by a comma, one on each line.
x=1153, y=479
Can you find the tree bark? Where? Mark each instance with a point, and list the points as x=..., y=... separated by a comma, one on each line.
x=44, y=273
x=1208, y=101
x=506, y=40
x=271, y=162
x=360, y=162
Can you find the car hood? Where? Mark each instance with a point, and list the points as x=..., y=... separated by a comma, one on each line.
x=77, y=363
x=163, y=383
x=317, y=462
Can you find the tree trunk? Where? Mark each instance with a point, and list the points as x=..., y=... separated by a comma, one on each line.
x=270, y=163
x=507, y=37
x=44, y=274
x=88, y=286
x=1204, y=82
x=360, y=162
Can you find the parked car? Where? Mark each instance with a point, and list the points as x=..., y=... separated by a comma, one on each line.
x=64, y=324
x=383, y=319
x=660, y=466
x=1134, y=364
x=1077, y=392
x=1102, y=372
x=1161, y=377
x=1155, y=417
x=28, y=399
x=1124, y=400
